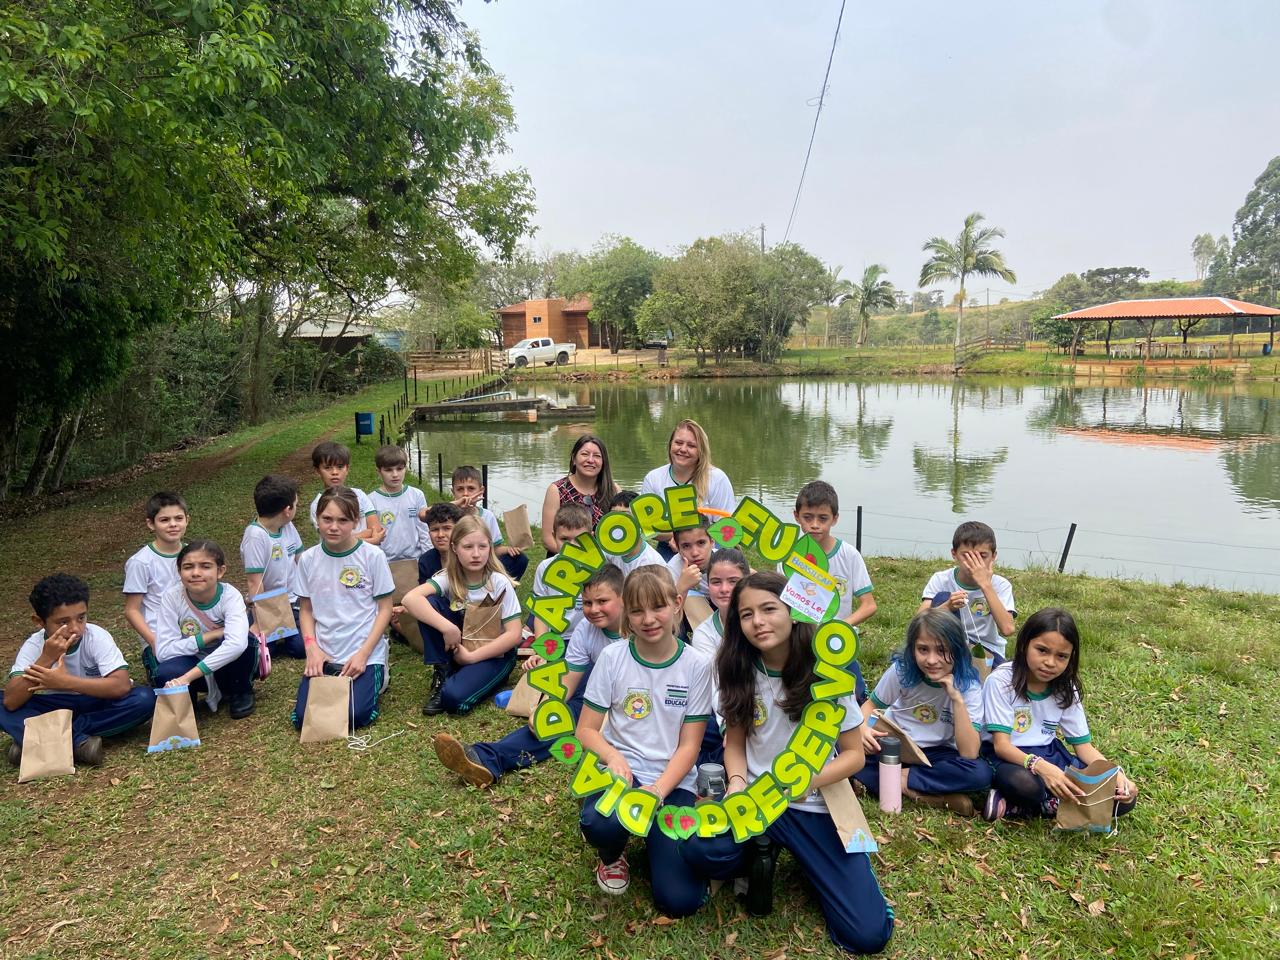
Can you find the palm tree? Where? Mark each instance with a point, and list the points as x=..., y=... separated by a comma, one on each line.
x=871, y=294
x=834, y=290
x=970, y=255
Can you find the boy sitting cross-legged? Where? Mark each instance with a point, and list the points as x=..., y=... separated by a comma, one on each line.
x=483, y=764
x=71, y=664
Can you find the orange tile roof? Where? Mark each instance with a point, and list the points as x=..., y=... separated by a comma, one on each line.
x=1169, y=308
x=581, y=305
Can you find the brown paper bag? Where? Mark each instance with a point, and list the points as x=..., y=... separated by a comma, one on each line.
x=1096, y=810
x=519, y=533
x=328, y=713
x=173, y=725
x=482, y=623
x=846, y=813
x=272, y=615
x=912, y=755
x=46, y=746
x=404, y=574
x=696, y=610
x=523, y=698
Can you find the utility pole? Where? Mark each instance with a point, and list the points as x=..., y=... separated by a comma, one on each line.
x=762, y=238
x=988, y=313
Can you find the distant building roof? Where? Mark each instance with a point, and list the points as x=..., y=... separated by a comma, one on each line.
x=1170, y=308
x=581, y=305
x=310, y=330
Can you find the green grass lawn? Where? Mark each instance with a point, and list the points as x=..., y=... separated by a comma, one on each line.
x=255, y=846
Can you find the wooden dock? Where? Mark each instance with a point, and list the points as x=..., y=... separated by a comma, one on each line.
x=543, y=408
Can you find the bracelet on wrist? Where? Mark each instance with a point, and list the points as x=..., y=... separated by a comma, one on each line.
x=737, y=776
x=1027, y=760
x=308, y=641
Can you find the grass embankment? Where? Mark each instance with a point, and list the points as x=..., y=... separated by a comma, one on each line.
x=253, y=846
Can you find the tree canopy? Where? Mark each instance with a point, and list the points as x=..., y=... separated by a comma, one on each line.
x=969, y=255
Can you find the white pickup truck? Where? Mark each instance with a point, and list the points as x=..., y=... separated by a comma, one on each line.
x=542, y=349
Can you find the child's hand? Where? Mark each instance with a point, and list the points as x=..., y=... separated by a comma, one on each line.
x=315, y=660
x=1057, y=782
x=53, y=677
x=56, y=644
x=871, y=738
x=462, y=655
x=1126, y=789
x=978, y=568
x=452, y=636
x=513, y=551
x=619, y=766
x=957, y=601
x=533, y=661
x=689, y=578
x=176, y=682
x=377, y=536
x=948, y=686
x=653, y=788
x=355, y=666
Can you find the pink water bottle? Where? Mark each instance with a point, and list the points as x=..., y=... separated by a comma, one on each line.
x=891, y=775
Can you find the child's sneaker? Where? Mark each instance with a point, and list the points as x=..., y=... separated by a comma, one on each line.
x=995, y=808
x=613, y=878
x=15, y=754
x=463, y=760
x=88, y=752
x=957, y=803
x=1049, y=807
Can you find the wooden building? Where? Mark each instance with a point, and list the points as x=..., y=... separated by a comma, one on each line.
x=561, y=320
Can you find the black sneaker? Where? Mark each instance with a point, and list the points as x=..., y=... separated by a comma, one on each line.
x=88, y=753
x=241, y=704
x=435, y=695
x=463, y=760
x=759, y=898
x=15, y=754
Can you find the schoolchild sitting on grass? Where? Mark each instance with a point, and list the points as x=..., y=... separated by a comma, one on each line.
x=980, y=597
x=461, y=676
x=150, y=572
x=932, y=692
x=71, y=664
x=202, y=638
x=1027, y=702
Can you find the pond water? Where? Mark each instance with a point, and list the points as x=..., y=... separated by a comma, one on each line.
x=1169, y=483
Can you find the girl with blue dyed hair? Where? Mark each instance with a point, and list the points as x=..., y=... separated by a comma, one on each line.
x=932, y=692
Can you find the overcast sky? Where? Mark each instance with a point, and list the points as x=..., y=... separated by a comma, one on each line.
x=1095, y=132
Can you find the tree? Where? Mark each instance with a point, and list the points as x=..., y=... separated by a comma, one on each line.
x=1060, y=333
x=1203, y=249
x=790, y=283
x=150, y=151
x=618, y=276
x=1256, y=251
x=834, y=290
x=970, y=254
x=871, y=293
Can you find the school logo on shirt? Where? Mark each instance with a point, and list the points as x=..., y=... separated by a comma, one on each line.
x=1021, y=721
x=842, y=586
x=676, y=697
x=759, y=712
x=1050, y=727
x=925, y=713
x=637, y=704
x=350, y=577
x=979, y=607
x=188, y=627
x=276, y=552
x=387, y=518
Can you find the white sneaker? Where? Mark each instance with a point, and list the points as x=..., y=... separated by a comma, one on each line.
x=613, y=878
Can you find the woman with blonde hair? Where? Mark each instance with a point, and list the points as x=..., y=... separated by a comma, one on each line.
x=689, y=462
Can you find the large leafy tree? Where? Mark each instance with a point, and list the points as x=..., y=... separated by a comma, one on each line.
x=790, y=283
x=1203, y=249
x=870, y=294
x=1256, y=251
x=970, y=254
x=835, y=289
x=150, y=151
x=618, y=276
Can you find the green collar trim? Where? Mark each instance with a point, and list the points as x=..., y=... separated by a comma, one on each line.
x=611, y=634
x=656, y=666
x=387, y=493
x=160, y=553
x=274, y=534
x=765, y=670
x=1037, y=696
x=217, y=595
x=344, y=553
x=955, y=575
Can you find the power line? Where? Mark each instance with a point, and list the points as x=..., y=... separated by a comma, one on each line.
x=822, y=96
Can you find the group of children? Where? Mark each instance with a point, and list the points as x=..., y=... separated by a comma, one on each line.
x=655, y=690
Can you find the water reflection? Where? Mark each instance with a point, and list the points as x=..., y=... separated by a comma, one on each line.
x=964, y=478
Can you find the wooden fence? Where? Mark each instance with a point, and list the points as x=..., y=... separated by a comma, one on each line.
x=482, y=360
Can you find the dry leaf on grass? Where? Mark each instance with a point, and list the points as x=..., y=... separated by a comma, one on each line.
x=1097, y=908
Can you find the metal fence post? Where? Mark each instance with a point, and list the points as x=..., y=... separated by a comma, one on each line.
x=440, y=471
x=419, y=466
x=484, y=485
x=857, y=537
x=1066, y=548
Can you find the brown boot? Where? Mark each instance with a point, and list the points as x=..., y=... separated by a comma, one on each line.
x=88, y=753
x=957, y=803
